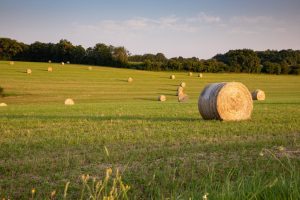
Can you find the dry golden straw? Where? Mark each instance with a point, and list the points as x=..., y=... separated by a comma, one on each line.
x=3, y=104
x=50, y=69
x=162, y=98
x=28, y=71
x=179, y=90
x=258, y=95
x=130, y=80
x=230, y=101
x=183, y=98
x=69, y=102
x=172, y=77
x=183, y=84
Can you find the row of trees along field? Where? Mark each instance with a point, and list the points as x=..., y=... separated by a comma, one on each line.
x=242, y=60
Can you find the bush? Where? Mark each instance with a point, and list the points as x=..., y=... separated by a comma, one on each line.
x=294, y=70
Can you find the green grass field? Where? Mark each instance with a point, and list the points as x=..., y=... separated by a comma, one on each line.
x=164, y=150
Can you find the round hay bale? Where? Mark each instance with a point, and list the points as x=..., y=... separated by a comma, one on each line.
x=183, y=98
x=68, y=62
x=50, y=69
x=200, y=75
x=172, y=77
x=179, y=90
x=62, y=63
x=190, y=74
x=129, y=80
x=49, y=61
x=90, y=68
x=28, y=71
x=258, y=95
x=11, y=62
x=162, y=98
x=183, y=84
x=69, y=102
x=230, y=101
x=3, y=104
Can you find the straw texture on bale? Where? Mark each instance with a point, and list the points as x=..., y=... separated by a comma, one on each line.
x=183, y=84
x=50, y=69
x=230, y=101
x=190, y=74
x=130, y=80
x=172, y=77
x=162, y=98
x=183, y=98
x=28, y=71
x=200, y=75
x=258, y=95
x=69, y=102
x=3, y=104
x=179, y=90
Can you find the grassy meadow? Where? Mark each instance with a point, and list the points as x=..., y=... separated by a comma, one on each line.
x=163, y=150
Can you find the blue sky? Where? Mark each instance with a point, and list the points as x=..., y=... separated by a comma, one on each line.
x=176, y=28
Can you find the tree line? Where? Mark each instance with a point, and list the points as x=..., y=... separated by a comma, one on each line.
x=238, y=61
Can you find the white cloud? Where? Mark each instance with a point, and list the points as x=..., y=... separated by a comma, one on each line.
x=203, y=17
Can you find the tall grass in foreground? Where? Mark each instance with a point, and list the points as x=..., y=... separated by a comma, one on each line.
x=284, y=183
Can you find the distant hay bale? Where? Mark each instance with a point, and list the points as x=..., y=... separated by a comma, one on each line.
x=179, y=90
x=129, y=80
x=183, y=84
x=258, y=95
x=28, y=71
x=11, y=62
x=190, y=74
x=69, y=102
x=183, y=98
x=90, y=68
x=62, y=63
x=49, y=61
x=3, y=104
x=162, y=98
x=50, y=69
x=172, y=77
x=230, y=101
x=68, y=62
x=200, y=75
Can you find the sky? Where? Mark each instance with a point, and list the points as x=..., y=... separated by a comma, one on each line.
x=200, y=28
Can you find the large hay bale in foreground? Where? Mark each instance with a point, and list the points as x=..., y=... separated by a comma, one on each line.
x=28, y=71
x=230, y=101
x=258, y=95
x=69, y=102
x=162, y=98
x=172, y=77
x=3, y=104
x=179, y=90
x=183, y=84
x=129, y=80
x=50, y=69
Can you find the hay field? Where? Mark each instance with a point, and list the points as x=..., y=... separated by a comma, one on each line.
x=164, y=150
